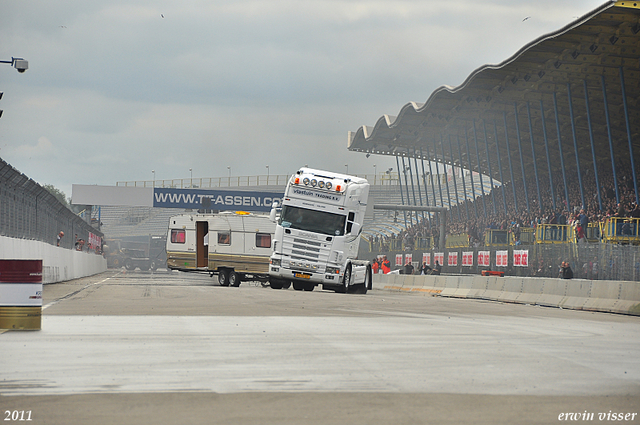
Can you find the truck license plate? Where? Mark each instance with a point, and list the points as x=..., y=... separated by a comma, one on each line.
x=303, y=275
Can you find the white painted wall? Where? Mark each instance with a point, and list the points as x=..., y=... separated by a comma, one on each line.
x=58, y=264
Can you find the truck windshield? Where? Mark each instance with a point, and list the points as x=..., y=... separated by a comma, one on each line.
x=312, y=221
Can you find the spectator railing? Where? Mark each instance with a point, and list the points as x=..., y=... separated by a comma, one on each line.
x=593, y=232
x=621, y=230
x=496, y=237
x=555, y=233
x=527, y=236
x=460, y=240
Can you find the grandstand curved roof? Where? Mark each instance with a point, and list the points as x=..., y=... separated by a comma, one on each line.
x=519, y=96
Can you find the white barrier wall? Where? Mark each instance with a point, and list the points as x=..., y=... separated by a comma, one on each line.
x=577, y=294
x=58, y=264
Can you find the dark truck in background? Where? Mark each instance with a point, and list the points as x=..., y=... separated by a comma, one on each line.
x=131, y=252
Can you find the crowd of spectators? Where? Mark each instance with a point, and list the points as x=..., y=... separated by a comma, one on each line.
x=473, y=217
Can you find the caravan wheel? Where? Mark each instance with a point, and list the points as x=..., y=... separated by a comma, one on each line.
x=223, y=277
x=234, y=279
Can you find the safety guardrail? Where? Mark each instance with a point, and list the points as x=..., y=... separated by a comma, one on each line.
x=621, y=230
x=555, y=233
x=457, y=241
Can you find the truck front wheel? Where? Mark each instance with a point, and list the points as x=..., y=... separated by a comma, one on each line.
x=275, y=283
x=346, y=280
x=364, y=287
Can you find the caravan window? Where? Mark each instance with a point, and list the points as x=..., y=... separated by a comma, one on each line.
x=178, y=236
x=224, y=238
x=263, y=240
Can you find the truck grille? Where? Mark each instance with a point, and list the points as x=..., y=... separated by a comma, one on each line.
x=305, y=254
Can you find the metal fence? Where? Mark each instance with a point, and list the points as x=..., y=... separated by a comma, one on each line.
x=378, y=179
x=595, y=261
x=28, y=211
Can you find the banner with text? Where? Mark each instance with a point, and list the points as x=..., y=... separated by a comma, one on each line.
x=484, y=258
x=502, y=258
x=219, y=200
x=521, y=257
x=467, y=258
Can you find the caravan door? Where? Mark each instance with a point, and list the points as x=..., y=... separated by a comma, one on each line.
x=202, y=244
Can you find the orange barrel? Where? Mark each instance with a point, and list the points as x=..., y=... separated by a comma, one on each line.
x=21, y=294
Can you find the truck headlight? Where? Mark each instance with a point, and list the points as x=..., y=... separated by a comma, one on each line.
x=332, y=270
x=275, y=262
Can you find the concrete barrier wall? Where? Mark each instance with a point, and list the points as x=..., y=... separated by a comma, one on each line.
x=577, y=294
x=58, y=264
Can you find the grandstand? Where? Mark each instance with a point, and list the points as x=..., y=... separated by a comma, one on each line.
x=558, y=124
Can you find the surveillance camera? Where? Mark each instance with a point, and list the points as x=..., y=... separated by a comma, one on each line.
x=21, y=65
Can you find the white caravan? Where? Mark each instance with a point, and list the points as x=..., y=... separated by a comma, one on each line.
x=234, y=245
x=317, y=233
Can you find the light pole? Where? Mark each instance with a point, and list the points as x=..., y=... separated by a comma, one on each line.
x=267, y=174
x=154, y=177
x=191, y=172
x=375, y=173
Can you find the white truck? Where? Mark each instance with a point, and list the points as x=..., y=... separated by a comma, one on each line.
x=317, y=233
x=233, y=245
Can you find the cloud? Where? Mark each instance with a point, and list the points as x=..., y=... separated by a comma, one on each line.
x=42, y=149
x=242, y=83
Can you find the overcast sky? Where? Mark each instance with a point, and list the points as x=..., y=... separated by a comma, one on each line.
x=116, y=89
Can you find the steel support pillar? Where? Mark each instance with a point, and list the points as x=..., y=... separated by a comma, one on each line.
x=486, y=144
x=464, y=184
x=504, y=197
x=593, y=149
x=455, y=184
x=435, y=155
x=524, y=176
x=415, y=163
x=446, y=175
x=426, y=189
x=634, y=171
x=533, y=153
x=433, y=189
x=564, y=173
x=473, y=188
x=575, y=145
x=546, y=149
x=513, y=182
x=613, y=162
x=475, y=137
x=406, y=185
x=400, y=186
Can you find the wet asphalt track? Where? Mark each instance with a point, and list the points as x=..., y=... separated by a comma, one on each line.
x=141, y=347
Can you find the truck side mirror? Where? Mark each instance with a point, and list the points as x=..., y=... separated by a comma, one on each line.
x=272, y=214
x=355, y=229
